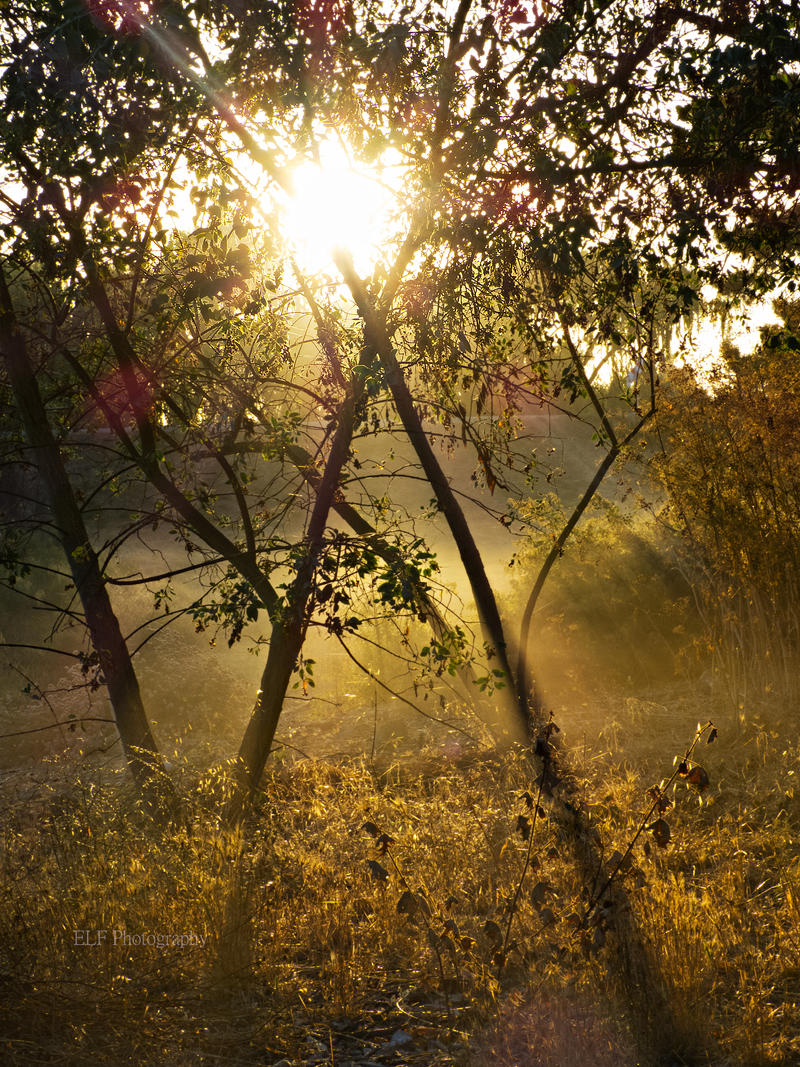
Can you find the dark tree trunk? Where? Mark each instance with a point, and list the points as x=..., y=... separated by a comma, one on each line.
x=116, y=667
x=290, y=622
x=488, y=613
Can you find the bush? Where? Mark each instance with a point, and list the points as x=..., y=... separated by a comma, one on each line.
x=731, y=471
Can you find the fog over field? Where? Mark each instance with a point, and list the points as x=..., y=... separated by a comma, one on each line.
x=205, y=694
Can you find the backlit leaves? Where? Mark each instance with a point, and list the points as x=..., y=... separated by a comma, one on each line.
x=695, y=775
x=698, y=777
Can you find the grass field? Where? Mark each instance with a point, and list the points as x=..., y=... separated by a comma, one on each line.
x=326, y=943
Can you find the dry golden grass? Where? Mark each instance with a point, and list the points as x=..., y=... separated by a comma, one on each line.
x=308, y=958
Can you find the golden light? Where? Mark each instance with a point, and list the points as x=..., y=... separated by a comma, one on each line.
x=339, y=205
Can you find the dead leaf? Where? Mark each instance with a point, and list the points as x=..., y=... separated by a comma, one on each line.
x=383, y=842
x=379, y=873
x=662, y=802
x=548, y=780
x=493, y=931
x=661, y=832
x=408, y=904
x=446, y=942
x=698, y=777
x=452, y=926
x=539, y=894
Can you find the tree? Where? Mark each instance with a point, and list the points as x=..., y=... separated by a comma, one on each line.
x=113, y=658
x=574, y=176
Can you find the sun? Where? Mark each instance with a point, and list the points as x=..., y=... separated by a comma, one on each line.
x=338, y=205
x=329, y=203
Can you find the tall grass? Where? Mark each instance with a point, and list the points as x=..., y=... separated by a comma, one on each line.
x=325, y=940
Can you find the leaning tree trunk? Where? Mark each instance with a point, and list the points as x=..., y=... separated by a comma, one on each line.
x=117, y=670
x=523, y=727
x=290, y=622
